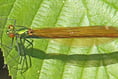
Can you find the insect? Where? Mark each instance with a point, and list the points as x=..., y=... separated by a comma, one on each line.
x=20, y=34
x=64, y=32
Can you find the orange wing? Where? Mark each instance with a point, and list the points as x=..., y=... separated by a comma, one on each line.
x=75, y=32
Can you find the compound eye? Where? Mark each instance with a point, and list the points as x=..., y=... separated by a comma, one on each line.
x=11, y=27
x=11, y=35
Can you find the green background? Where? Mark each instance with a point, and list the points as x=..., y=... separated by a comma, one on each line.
x=55, y=59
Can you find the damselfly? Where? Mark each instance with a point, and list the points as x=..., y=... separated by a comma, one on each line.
x=102, y=33
x=21, y=34
x=64, y=32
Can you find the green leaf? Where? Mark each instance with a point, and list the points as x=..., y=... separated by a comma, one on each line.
x=90, y=58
